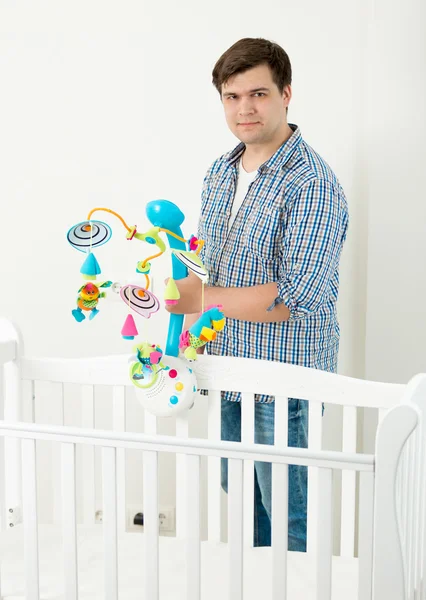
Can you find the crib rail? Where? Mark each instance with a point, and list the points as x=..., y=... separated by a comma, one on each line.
x=190, y=446
x=218, y=373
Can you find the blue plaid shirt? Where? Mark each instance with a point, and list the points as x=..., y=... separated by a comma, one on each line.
x=290, y=230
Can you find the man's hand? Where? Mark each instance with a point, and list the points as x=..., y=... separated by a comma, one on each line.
x=190, y=296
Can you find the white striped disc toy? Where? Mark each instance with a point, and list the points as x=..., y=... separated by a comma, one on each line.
x=140, y=300
x=89, y=234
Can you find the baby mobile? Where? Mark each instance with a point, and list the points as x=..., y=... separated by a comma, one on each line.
x=165, y=384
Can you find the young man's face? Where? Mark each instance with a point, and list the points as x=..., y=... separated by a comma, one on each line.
x=255, y=110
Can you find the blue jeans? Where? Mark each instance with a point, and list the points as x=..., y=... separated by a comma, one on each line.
x=297, y=476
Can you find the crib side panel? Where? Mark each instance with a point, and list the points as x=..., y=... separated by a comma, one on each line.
x=316, y=388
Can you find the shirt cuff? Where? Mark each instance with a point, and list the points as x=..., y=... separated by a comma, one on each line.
x=286, y=298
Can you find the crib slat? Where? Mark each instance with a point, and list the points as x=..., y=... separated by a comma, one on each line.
x=314, y=443
x=151, y=525
x=325, y=534
x=280, y=504
x=28, y=400
x=29, y=509
x=193, y=545
x=69, y=531
x=88, y=455
x=150, y=423
x=247, y=437
x=365, y=545
x=281, y=422
x=119, y=424
x=182, y=431
x=109, y=502
x=347, y=532
x=56, y=456
x=279, y=530
x=213, y=469
x=235, y=528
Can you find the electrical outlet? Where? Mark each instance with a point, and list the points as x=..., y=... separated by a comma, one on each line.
x=131, y=511
x=166, y=518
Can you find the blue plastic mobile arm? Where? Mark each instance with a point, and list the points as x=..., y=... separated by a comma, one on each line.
x=165, y=214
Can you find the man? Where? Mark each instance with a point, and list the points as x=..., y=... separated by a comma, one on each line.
x=274, y=218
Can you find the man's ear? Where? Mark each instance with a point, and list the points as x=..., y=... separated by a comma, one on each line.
x=287, y=94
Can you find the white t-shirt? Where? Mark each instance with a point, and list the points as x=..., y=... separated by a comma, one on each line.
x=243, y=182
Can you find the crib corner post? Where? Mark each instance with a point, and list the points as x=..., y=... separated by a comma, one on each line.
x=12, y=412
x=392, y=435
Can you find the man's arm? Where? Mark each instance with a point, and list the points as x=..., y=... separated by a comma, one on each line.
x=249, y=303
x=314, y=231
x=244, y=304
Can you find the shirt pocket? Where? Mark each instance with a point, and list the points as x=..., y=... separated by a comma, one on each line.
x=263, y=232
x=212, y=229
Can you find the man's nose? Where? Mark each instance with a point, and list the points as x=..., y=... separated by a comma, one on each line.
x=246, y=107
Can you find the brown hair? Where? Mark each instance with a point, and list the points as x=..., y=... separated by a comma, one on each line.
x=252, y=52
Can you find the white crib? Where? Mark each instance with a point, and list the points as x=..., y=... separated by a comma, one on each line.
x=381, y=522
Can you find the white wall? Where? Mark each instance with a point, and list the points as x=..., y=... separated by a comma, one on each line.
x=396, y=152
x=396, y=307
x=111, y=104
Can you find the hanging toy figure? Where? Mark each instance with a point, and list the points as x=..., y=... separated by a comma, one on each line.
x=88, y=298
x=147, y=366
x=203, y=331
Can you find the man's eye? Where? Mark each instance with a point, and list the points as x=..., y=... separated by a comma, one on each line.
x=259, y=94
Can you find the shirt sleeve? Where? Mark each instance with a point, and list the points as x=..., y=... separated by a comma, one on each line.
x=314, y=230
